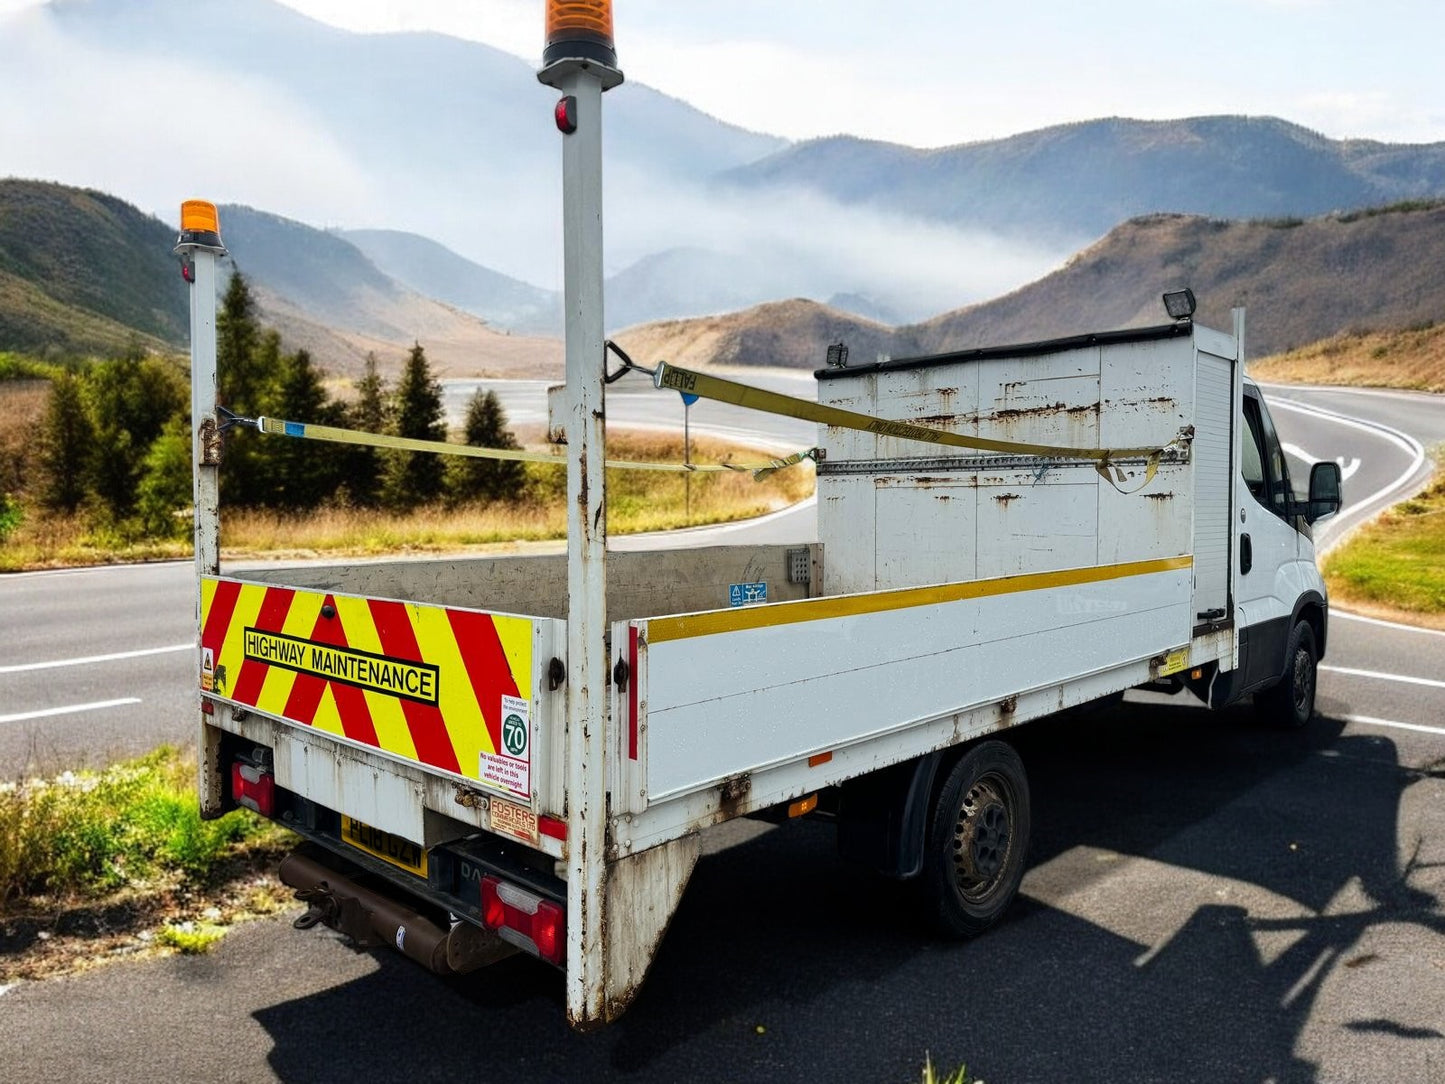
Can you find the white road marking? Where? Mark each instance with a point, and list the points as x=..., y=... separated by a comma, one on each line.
x=1383, y=676
x=89, y=570
x=1383, y=624
x=69, y=709
x=1368, y=721
x=22, y=668
x=1347, y=467
x=1404, y=441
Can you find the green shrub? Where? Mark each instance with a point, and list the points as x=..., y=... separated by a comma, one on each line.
x=10, y=515
x=135, y=824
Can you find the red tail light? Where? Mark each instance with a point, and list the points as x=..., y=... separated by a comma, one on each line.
x=254, y=788
x=525, y=919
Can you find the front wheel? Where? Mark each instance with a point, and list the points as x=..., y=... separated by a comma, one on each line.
x=1291, y=703
x=978, y=835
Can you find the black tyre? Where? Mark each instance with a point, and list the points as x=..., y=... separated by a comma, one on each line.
x=977, y=838
x=1291, y=703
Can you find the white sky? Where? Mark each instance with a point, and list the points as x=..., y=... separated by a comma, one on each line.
x=935, y=72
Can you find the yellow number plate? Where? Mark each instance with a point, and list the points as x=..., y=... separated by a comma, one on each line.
x=1174, y=662
x=401, y=853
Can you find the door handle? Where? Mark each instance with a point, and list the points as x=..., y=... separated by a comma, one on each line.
x=1246, y=554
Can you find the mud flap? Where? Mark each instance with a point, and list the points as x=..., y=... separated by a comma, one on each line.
x=643, y=891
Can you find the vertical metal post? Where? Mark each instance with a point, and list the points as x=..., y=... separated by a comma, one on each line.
x=583, y=82
x=199, y=245
x=687, y=458
x=586, y=544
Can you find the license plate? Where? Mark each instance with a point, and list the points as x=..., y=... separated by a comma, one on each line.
x=401, y=853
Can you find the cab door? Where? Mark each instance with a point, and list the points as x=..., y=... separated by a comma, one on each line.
x=1266, y=545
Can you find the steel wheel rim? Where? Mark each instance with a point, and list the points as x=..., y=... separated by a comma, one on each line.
x=983, y=837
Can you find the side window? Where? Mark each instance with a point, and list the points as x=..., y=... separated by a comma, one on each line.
x=1251, y=458
x=1262, y=460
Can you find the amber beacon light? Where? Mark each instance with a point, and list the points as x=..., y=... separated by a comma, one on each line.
x=200, y=225
x=580, y=30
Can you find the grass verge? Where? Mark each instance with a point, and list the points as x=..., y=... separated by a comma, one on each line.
x=961, y=1075
x=119, y=861
x=1413, y=359
x=1395, y=567
x=637, y=501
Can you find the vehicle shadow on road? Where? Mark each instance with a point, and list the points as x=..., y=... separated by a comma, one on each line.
x=784, y=964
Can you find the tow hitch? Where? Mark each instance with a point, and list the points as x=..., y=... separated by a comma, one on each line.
x=370, y=918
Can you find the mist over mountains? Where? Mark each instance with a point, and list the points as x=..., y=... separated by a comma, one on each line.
x=435, y=162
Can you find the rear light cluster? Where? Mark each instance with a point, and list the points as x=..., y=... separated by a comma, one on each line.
x=253, y=787
x=525, y=919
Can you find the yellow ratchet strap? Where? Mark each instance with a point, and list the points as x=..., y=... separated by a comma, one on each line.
x=721, y=390
x=307, y=431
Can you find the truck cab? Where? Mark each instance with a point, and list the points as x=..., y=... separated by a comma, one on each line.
x=1282, y=608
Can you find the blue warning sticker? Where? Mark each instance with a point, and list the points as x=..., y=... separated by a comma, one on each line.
x=745, y=594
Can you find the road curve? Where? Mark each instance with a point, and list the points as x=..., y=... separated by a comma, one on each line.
x=1206, y=899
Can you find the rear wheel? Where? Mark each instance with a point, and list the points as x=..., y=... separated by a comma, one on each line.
x=978, y=834
x=1291, y=703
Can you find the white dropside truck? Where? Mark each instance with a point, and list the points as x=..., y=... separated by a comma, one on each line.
x=523, y=754
x=409, y=718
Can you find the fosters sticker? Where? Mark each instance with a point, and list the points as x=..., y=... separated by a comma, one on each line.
x=510, y=767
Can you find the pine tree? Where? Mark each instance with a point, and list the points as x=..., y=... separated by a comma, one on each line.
x=370, y=413
x=67, y=445
x=238, y=334
x=248, y=467
x=487, y=479
x=414, y=478
x=303, y=474
x=131, y=399
x=164, y=490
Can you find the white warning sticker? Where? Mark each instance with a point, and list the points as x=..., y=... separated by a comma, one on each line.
x=510, y=767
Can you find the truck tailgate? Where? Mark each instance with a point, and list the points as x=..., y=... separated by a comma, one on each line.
x=455, y=691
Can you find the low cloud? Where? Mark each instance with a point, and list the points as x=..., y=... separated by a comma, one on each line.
x=154, y=132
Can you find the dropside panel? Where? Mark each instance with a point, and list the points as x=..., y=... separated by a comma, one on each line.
x=728, y=693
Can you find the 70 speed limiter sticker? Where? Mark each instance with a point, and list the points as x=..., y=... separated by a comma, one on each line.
x=510, y=767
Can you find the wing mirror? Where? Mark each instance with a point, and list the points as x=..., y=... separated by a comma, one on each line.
x=1324, y=491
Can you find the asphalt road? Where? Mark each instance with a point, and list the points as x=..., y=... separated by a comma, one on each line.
x=1206, y=899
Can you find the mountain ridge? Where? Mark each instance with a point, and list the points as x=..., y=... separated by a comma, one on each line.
x=1380, y=269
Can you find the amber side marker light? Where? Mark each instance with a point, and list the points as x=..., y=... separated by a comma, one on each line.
x=803, y=806
x=579, y=29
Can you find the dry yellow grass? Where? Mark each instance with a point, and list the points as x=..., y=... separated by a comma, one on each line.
x=1414, y=359
x=22, y=406
x=637, y=501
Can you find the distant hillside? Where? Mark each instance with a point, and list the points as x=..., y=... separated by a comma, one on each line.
x=1080, y=180
x=83, y=272
x=448, y=138
x=436, y=271
x=322, y=293
x=792, y=334
x=1301, y=281
x=1411, y=358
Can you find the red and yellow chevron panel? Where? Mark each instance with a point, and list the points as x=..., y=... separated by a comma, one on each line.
x=450, y=689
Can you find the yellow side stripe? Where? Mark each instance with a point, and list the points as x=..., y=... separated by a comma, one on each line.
x=687, y=626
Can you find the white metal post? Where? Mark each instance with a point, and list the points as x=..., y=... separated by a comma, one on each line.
x=586, y=752
x=199, y=249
